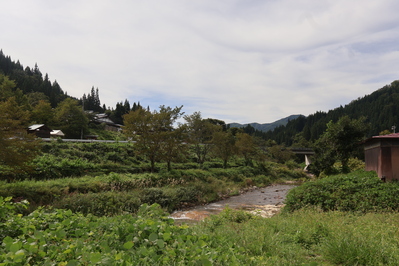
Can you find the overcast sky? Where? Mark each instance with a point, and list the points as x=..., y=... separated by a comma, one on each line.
x=235, y=60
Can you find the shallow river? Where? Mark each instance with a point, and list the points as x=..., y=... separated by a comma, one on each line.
x=263, y=201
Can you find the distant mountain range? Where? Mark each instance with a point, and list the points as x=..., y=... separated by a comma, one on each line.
x=267, y=126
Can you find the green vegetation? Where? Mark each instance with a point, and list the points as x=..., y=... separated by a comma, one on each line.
x=97, y=203
x=379, y=108
x=115, y=193
x=358, y=191
x=305, y=237
x=154, y=133
x=94, y=203
x=17, y=148
x=339, y=143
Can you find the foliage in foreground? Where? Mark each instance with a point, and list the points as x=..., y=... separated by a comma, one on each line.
x=359, y=191
x=306, y=237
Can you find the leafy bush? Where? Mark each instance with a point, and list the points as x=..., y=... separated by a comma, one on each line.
x=51, y=167
x=359, y=191
x=261, y=180
x=100, y=204
x=156, y=195
x=291, y=164
x=228, y=215
x=354, y=164
x=9, y=226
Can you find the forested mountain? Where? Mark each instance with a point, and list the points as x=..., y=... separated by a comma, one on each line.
x=31, y=80
x=381, y=109
x=267, y=126
x=32, y=83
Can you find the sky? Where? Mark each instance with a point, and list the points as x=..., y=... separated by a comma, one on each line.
x=235, y=60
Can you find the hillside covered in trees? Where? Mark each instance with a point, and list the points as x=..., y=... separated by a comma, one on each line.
x=380, y=109
x=36, y=87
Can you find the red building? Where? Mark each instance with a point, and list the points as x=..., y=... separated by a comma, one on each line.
x=382, y=156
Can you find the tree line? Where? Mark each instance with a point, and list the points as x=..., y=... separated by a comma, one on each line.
x=380, y=110
x=159, y=136
x=31, y=82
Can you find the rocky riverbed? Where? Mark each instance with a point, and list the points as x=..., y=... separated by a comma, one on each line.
x=265, y=202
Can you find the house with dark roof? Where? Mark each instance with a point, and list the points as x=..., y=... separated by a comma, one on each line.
x=40, y=130
x=382, y=155
x=109, y=124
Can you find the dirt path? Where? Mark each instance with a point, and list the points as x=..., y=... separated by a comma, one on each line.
x=261, y=201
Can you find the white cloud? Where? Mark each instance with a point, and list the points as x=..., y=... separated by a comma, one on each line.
x=242, y=61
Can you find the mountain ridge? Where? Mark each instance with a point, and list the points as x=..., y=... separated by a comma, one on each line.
x=266, y=126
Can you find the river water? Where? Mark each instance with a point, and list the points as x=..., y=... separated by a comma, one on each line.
x=265, y=201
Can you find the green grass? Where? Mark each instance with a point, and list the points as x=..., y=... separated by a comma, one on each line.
x=309, y=237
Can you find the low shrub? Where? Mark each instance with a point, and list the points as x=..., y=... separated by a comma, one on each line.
x=227, y=216
x=359, y=191
x=185, y=166
x=102, y=203
x=354, y=164
x=196, y=174
x=36, y=193
x=191, y=194
x=261, y=180
x=292, y=164
x=51, y=167
x=209, y=165
x=156, y=195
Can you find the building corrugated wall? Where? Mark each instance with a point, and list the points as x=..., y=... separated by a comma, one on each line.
x=382, y=156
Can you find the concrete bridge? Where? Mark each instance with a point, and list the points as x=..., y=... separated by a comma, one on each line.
x=307, y=152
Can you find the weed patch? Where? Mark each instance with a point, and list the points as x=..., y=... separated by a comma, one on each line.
x=359, y=191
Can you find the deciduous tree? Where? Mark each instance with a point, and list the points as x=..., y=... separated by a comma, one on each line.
x=173, y=147
x=246, y=147
x=71, y=118
x=339, y=142
x=17, y=147
x=152, y=131
x=223, y=145
x=199, y=135
x=42, y=113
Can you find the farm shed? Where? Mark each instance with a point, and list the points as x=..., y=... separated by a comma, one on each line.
x=40, y=130
x=382, y=156
x=57, y=133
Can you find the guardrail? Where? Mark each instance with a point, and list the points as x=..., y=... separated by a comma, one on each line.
x=87, y=140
